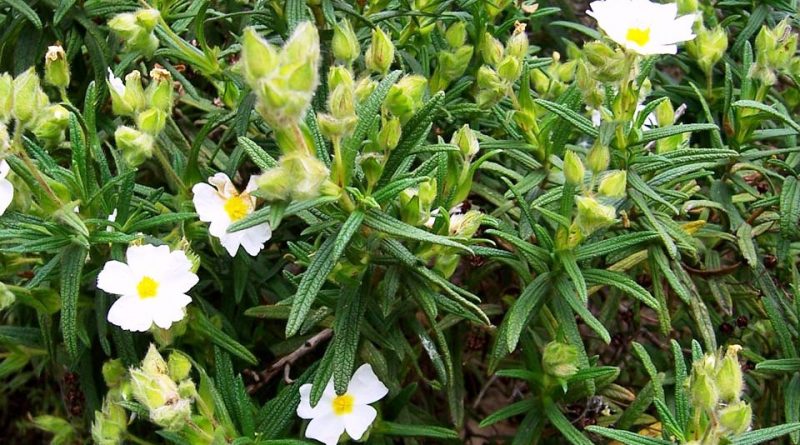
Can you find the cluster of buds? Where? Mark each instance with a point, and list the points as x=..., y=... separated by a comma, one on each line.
x=164, y=388
x=406, y=96
x=149, y=108
x=775, y=50
x=503, y=66
x=23, y=99
x=708, y=47
x=298, y=176
x=460, y=166
x=137, y=30
x=559, y=362
x=550, y=83
x=283, y=79
x=594, y=211
x=715, y=388
x=341, y=117
x=452, y=62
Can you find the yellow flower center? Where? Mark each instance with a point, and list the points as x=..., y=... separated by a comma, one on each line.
x=638, y=36
x=147, y=288
x=343, y=404
x=236, y=207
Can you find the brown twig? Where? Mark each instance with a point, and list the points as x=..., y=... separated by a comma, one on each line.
x=261, y=378
x=725, y=270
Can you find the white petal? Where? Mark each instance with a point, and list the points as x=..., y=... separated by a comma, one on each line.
x=117, y=278
x=116, y=83
x=365, y=386
x=324, y=407
x=207, y=202
x=255, y=237
x=326, y=429
x=6, y=195
x=4, y=169
x=130, y=314
x=304, y=409
x=231, y=241
x=146, y=258
x=223, y=184
x=357, y=422
x=252, y=183
x=170, y=309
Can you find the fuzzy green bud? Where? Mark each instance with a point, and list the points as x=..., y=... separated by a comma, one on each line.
x=592, y=215
x=509, y=69
x=686, y=6
x=465, y=224
x=298, y=176
x=147, y=18
x=517, y=45
x=466, y=141
x=491, y=50
x=153, y=362
x=776, y=46
x=259, y=58
x=364, y=87
x=136, y=145
x=606, y=63
x=109, y=425
x=729, y=375
x=178, y=366
x=56, y=68
x=708, y=47
x=665, y=114
x=159, y=92
x=28, y=97
x=573, y=168
x=173, y=416
x=151, y=121
x=702, y=384
x=736, y=417
x=560, y=360
x=6, y=97
x=50, y=124
x=598, y=158
x=613, y=184
x=127, y=98
x=345, y=43
x=491, y=87
x=456, y=34
x=405, y=97
x=114, y=372
x=380, y=54
x=390, y=133
x=372, y=166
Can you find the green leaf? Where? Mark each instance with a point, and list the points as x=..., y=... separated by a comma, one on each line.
x=621, y=282
x=316, y=274
x=765, y=434
x=790, y=207
x=522, y=310
x=764, y=108
x=406, y=430
x=257, y=154
x=514, y=409
x=26, y=11
x=346, y=331
x=72, y=262
x=557, y=418
x=626, y=437
x=665, y=132
x=744, y=237
x=205, y=327
x=638, y=199
x=581, y=123
x=614, y=244
x=567, y=260
x=787, y=365
x=387, y=224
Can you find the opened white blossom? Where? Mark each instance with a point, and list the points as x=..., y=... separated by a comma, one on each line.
x=350, y=412
x=152, y=287
x=222, y=205
x=642, y=26
x=6, y=187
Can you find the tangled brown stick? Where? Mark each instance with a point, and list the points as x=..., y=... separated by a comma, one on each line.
x=263, y=377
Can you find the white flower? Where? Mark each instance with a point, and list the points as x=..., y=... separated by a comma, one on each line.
x=643, y=27
x=349, y=412
x=222, y=205
x=6, y=188
x=152, y=285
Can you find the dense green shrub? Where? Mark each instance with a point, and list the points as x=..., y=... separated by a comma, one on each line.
x=466, y=221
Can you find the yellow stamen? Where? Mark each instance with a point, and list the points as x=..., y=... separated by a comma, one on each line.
x=236, y=207
x=343, y=404
x=147, y=288
x=638, y=36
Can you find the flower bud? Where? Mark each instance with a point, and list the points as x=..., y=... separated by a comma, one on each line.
x=465, y=224
x=775, y=47
x=560, y=360
x=259, y=58
x=573, y=168
x=729, y=376
x=592, y=215
x=136, y=146
x=372, y=166
x=736, y=417
x=495, y=7
x=614, y=184
x=56, y=68
x=405, y=97
x=517, y=45
x=607, y=64
x=153, y=362
x=151, y=121
x=6, y=97
x=109, y=425
x=172, y=416
x=509, y=69
x=686, y=6
x=152, y=390
x=159, y=92
x=702, y=384
x=125, y=25
x=380, y=54
x=345, y=43
x=665, y=114
x=50, y=124
x=147, y=18
x=598, y=158
x=364, y=87
x=298, y=176
x=28, y=97
x=114, y=373
x=708, y=47
x=456, y=35
x=7, y=298
x=427, y=195
x=178, y=366
x=466, y=141
x=491, y=50
x=127, y=98
x=390, y=133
